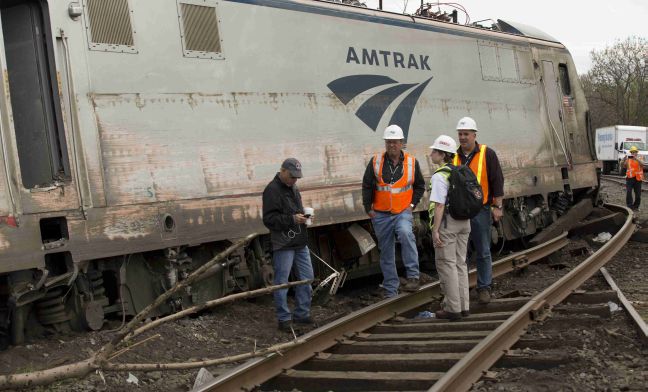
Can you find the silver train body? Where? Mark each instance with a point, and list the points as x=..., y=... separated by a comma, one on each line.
x=137, y=137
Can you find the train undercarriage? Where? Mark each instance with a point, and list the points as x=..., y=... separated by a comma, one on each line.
x=81, y=296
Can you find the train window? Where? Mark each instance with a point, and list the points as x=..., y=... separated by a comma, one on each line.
x=199, y=29
x=564, y=79
x=110, y=27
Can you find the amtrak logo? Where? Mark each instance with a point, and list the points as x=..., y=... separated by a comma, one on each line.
x=373, y=109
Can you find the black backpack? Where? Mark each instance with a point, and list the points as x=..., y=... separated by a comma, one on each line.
x=465, y=196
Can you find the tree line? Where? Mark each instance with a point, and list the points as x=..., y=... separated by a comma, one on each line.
x=616, y=87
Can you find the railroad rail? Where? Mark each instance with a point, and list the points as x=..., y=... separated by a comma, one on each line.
x=621, y=180
x=638, y=321
x=382, y=348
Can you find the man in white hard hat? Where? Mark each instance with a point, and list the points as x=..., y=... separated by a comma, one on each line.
x=391, y=188
x=483, y=161
x=449, y=235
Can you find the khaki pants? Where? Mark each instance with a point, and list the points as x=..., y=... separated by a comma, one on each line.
x=451, y=265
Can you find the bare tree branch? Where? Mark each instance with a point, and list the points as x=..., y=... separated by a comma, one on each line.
x=616, y=87
x=211, y=304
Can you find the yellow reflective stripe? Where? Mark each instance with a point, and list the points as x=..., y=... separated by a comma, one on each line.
x=445, y=170
x=455, y=160
x=410, y=170
x=482, y=153
x=431, y=214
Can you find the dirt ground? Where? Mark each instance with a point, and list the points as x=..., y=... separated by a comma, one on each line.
x=222, y=332
x=608, y=362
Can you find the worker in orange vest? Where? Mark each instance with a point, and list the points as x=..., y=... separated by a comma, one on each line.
x=634, y=166
x=483, y=161
x=391, y=187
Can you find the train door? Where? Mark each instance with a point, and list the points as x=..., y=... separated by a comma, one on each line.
x=554, y=109
x=37, y=120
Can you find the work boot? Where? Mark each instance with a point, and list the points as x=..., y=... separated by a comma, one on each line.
x=412, y=284
x=384, y=294
x=306, y=320
x=465, y=313
x=285, y=326
x=445, y=315
x=483, y=296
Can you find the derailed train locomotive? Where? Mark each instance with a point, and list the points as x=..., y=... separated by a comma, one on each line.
x=137, y=137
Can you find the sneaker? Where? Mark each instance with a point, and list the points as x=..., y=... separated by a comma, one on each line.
x=285, y=326
x=306, y=320
x=412, y=284
x=465, y=313
x=445, y=315
x=483, y=296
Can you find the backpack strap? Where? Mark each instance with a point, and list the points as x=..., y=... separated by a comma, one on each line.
x=446, y=171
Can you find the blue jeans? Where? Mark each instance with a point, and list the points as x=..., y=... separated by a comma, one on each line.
x=632, y=184
x=283, y=261
x=387, y=226
x=480, y=235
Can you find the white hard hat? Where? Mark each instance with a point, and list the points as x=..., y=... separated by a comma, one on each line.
x=393, y=132
x=467, y=123
x=445, y=143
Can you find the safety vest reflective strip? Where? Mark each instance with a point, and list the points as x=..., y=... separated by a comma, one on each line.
x=378, y=167
x=634, y=170
x=480, y=168
x=410, y=171
x=387, y=188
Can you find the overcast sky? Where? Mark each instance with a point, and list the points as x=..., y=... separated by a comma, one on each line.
x=581, y=25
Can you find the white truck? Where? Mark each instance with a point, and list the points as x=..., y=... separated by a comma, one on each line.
x=613, y=142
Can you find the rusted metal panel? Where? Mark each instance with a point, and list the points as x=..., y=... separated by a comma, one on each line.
x=54, y=198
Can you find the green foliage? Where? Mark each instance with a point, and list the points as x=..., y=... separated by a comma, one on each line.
x=617, y=85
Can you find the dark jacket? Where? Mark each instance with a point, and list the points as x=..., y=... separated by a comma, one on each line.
x=493, y=170
x=369, y=180
x=280, y=203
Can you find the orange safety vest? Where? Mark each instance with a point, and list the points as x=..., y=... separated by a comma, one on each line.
x=478, y=166
x=394, y=197
x=634, y=169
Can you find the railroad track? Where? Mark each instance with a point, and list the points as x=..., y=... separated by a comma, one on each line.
x=621, y=180
x=382, y=347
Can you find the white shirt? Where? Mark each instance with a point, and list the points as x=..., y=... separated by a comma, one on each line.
x=439, y=188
